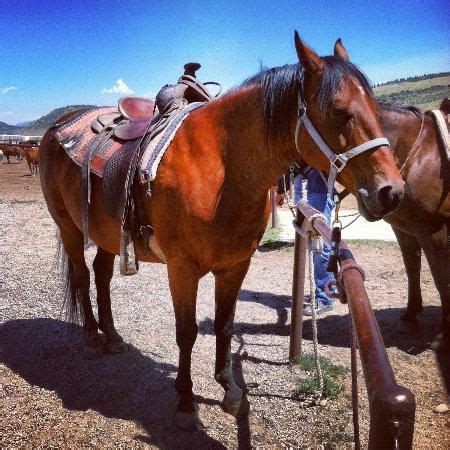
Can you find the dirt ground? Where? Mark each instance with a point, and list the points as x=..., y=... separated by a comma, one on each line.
x=53, y=397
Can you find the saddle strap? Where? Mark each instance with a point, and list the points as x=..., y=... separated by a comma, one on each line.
x=443, y=130
x=154, y=148
x=85, y=187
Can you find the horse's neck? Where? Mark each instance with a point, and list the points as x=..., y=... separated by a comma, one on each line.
x=253, y=161
x=402, y=129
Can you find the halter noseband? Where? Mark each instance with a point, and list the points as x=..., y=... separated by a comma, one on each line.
x=337, y=161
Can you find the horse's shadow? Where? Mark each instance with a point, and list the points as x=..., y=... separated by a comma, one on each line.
x=333, y=328
x=130, y=386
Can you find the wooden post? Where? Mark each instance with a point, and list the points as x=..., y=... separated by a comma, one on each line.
x=273, y=208
x=298, y=291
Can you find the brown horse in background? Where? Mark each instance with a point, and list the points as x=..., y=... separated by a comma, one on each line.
x=209, y=204
x=12, y=150
x=32, y=157
x=422, y=221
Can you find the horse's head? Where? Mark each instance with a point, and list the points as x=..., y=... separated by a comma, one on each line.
x=340, y=104
x=445, y=106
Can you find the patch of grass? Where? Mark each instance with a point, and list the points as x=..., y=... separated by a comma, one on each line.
x=331, y=374
x=370, y=242
x=271, y=241
x=270, y=236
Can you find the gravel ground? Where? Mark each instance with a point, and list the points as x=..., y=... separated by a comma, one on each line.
x=53, y=397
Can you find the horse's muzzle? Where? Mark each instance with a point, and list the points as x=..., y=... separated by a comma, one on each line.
x=390, y=196
x=383, y=199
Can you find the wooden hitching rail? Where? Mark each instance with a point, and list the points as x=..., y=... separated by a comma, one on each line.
x=392, y=407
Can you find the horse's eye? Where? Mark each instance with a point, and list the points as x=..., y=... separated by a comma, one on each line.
x=340, y=114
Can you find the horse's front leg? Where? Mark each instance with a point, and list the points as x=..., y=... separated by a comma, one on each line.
x=183, y=281
x=228, y=283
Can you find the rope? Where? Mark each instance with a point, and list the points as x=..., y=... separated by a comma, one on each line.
x=351, y=221
x=414, y=146
x=315, y=397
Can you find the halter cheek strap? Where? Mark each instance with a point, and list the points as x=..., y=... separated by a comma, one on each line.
x=337, y=161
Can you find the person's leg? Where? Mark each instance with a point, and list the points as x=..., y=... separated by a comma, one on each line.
x=298, y=186
x=319, y=199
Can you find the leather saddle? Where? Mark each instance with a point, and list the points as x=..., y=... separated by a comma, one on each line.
x=134, y=115
x=136, y=120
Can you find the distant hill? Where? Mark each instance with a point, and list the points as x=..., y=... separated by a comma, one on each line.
x=424, y=93
x=8, y=129
x=23, y=124
x=40, y=126
x=427, y=76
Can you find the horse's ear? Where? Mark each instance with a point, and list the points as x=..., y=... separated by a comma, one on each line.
x=340, y=51
x=307, y=57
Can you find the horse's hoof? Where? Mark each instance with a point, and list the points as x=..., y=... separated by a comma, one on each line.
x=440, y=344
x=189, y=421
x=235, y=402
x=408, y=325
x=117, y=347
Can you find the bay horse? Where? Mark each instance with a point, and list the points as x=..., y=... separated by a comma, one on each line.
x=422, y=221
x=209, y=204
x=32, y=157
x=12, y=150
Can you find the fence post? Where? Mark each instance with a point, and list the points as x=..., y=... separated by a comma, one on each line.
x=273, y=208
x=298, y=291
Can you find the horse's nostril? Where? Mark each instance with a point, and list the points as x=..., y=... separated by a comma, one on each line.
x=389, y=197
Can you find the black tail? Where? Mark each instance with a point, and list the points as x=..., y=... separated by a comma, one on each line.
x=72, y=296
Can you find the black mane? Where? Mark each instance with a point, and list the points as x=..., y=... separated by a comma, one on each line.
x=281, y=87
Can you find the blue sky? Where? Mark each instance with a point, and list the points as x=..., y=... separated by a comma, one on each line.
x=56, y=53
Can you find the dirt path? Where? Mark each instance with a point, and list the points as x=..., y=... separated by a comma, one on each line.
x=52, y=396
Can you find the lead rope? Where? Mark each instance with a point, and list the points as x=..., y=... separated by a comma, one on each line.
x=314, y=243
x=316, y=396
x=287, y=192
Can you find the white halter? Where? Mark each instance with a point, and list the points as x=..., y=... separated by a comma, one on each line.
x=337, y=161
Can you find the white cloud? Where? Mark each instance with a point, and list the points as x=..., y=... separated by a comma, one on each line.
x=7, y=89
x=119, y=88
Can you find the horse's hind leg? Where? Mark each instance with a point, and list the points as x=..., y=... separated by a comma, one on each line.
x=228, y=283
x=411, y=253
x=437, y=251
x=103, y=269
x=78, y=286
x=183, y=281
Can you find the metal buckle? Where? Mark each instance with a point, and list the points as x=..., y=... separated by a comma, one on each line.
x=339, y=162
x=301, y=110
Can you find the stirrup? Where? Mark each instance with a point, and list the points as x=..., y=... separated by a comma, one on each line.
x=128, y=264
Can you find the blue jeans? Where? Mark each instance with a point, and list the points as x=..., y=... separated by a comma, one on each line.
x=318, y=198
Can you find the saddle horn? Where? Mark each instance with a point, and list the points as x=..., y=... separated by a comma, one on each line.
x=190, y=68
